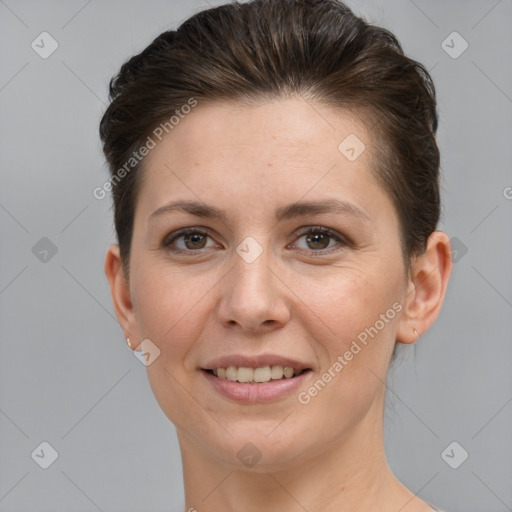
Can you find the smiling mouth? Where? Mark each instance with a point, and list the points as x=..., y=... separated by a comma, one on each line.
x=261, y=375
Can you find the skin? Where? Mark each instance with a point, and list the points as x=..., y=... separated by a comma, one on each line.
x=296, y=299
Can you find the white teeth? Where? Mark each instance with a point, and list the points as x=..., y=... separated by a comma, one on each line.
x=277, y=372
x=245, y=374
x=288, y=372
x=262, y=374
x=253, y=375
x=231, y=373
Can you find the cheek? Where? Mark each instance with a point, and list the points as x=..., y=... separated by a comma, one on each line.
x=169, y=305
x=354, y=323
x=347, y=306
x=356, y=354
x=170, y=311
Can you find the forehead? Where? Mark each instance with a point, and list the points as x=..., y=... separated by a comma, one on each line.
x=272, y=126
x=268, y=151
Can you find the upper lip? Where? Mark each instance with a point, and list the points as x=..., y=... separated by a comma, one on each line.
x=254, y=362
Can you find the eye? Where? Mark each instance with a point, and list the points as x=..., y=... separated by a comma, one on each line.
x=319, y=238
x=193, y=239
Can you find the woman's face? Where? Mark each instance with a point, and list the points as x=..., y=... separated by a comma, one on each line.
x=260, y=283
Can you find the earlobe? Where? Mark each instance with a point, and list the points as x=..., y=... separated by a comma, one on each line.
x=120, y=292
x=430, y=273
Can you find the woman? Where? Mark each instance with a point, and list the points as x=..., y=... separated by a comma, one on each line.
x=275, y=177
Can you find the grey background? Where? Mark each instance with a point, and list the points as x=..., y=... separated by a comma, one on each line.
x=68, y=378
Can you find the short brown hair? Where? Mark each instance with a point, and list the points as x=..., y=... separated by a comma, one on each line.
x=318, y=49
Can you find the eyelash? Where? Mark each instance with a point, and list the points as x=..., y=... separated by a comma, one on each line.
x=342, y=241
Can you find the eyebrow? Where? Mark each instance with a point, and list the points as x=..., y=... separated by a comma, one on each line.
x=288, y=211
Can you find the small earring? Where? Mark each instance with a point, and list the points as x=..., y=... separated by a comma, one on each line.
x=128, y=341
x=416, y=334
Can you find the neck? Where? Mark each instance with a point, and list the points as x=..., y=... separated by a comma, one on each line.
x=348, y=475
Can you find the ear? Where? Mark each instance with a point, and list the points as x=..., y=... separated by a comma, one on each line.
x=428, y=281
x=121, y=296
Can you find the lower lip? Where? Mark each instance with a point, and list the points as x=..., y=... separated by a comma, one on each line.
x=256, y=393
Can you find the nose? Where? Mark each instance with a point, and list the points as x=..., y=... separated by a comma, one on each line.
x=254, y=296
